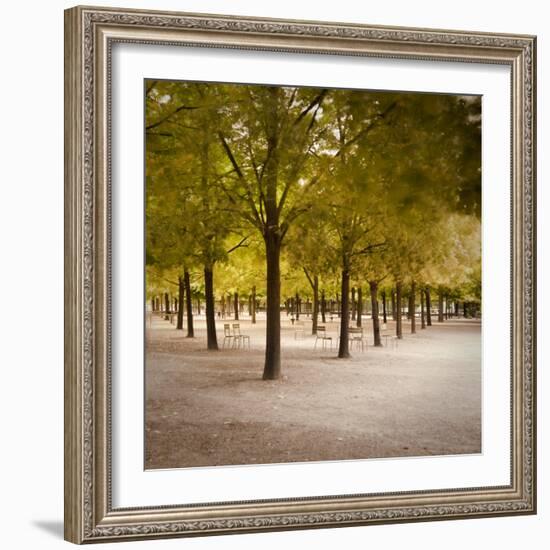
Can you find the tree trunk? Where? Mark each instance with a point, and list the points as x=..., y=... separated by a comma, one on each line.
x=166, y=306
x=384, y=312
x=188, y=304
x=181, y=290
x=298, y=304
x=428, y=307
x=315, y=314
x=353, y=304
x=456, y=308
x=212, y=340
x=273, y=237
x=323, y=307
x=393, y=309
x=254, y=305
x=272, y=367
x=359, y=306
x=152, y=304
x=198, y=306
x=440, y=307
x=412, y=307
x=343, y=350
x=373, y=285
x=398, y=312
x=236, y=305
x=422, y=312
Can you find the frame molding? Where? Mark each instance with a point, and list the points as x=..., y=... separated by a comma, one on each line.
x=89, y=34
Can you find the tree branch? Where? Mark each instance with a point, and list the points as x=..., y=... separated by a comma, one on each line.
x=175, y=112
x=163, y=134
x=316, y=101
x=368, y=249
x=239, y=173
x=239, y=245
x=308, y=278
x=367, y=129
x=282, y=201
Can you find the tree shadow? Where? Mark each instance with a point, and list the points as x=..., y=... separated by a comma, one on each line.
x=53, y=527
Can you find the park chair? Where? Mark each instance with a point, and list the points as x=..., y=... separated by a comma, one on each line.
x=240, y=338
x=322, y=335
x=391, y=338
x=355, y=335
x=299, y=330
x=227, y=336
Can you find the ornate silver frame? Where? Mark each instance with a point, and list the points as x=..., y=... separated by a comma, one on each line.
x=89, y=34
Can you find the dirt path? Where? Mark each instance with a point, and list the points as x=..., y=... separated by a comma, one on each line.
x=212, y=408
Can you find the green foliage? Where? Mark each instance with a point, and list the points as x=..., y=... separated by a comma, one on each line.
x=385, y=184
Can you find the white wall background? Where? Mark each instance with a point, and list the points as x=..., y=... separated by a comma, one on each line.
x=31, y=271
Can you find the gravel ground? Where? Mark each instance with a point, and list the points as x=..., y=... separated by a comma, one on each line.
x=212, y=408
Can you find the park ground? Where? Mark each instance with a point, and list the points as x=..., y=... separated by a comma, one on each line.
x=207, y=408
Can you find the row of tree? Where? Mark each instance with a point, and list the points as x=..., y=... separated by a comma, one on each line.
x=270, y=186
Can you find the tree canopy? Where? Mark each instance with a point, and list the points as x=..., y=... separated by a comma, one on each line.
x=277, y=191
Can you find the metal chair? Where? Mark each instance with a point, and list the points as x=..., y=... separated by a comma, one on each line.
x=392, y=339
x=299, y=330
x=240, y=338
x=227, y=336
x=322, y=335
x=355, y=335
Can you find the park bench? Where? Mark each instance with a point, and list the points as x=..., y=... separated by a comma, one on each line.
x=240, y=338
x=322, y=335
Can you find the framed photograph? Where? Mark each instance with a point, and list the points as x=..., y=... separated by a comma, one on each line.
x=300, y=274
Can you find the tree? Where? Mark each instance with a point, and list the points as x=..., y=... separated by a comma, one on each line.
x=268, y=137
x=305, y=250
x=180, y=129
